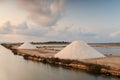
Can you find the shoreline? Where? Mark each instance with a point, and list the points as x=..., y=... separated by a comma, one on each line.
x=74, y=64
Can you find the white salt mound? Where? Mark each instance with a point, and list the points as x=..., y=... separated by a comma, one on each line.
x=27, y=45
x=78, y=50
x=4, y=50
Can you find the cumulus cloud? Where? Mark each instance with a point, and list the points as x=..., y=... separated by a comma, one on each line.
x=19, y=38
x=20, y=29
x=69, y=32
x=43, y=12
x=84, y=31
x=8, y=28
x=115, y=34
x=58, y=32
x=20, y=33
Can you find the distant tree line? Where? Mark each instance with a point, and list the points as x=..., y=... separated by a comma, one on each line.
x=51, y=42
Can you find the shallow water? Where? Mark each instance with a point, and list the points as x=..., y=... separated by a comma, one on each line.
x=113, y=50
x=16, y=68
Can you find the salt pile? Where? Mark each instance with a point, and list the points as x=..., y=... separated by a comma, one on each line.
x=4, y=50
x=27, y=45
x=78, y=50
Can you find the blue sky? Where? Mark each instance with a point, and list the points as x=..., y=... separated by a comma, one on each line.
x=103, y=15
x=60, y=20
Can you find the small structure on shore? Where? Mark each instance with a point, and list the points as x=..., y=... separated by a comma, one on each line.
x=27, y=45
x=78, y=50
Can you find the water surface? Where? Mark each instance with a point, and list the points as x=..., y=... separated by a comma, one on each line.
x=16, y=68
x=113, y=50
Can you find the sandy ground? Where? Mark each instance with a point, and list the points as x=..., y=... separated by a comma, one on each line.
x=112, y=61
x=39, y=52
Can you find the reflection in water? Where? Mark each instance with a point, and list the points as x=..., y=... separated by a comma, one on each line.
x=16, y=68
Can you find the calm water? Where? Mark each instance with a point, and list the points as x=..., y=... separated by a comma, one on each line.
x=114, y=51
x=16, y=68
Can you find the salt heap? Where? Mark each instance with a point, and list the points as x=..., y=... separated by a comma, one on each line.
x=4, y=50
x=27, y=45
x=78, y=50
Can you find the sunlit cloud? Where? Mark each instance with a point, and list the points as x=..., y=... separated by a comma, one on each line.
x=19, y=18
x=43, y=12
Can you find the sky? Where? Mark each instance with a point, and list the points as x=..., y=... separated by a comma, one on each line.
x=94, y=21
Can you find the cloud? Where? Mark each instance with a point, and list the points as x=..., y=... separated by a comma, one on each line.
x=20, y=29
x=19, y=38
x=69, y=32
x=43, y=12
x=115, y=34
x=6, y=28
x=58, y=32
x=83, y=31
